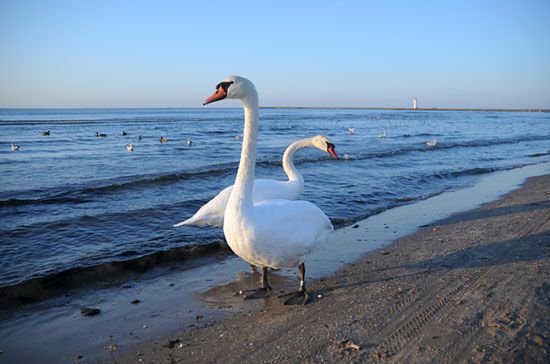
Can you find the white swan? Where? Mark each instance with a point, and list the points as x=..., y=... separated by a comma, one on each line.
x=264, y=189
x=271, y=233
x=431, y=143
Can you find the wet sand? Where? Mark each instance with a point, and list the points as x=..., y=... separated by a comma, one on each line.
x=471, y=287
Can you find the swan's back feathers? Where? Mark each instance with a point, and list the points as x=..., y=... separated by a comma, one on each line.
x=264, y=189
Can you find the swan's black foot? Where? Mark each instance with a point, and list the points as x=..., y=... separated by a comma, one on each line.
x=295, y=298
x=256, y=293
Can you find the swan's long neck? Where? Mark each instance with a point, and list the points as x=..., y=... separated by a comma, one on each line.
x=244, y=183
x=288, y=163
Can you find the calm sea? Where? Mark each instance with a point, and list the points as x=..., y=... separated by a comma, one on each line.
x=72, y=199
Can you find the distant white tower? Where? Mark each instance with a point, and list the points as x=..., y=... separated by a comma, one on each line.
x=414, y=104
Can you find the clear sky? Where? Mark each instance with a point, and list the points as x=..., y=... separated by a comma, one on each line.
x=298, y=53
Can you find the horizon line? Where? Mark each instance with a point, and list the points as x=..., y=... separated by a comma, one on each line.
x=296, y=107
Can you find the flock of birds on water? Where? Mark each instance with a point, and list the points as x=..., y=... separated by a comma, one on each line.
x=130, y=147
x=263, y=220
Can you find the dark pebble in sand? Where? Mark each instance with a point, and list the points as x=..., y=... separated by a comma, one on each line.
x=171, y=343
x=135, y=302
x=355, y=226
x=199, y=317
x=87, y=311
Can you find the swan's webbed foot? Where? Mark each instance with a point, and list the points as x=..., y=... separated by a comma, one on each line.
x=262, y=292
x=301, y=297
x=296, y=298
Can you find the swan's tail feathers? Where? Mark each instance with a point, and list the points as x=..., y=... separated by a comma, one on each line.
x=205, y=220
x=185, y=222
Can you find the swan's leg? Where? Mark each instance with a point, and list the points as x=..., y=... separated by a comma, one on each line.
x=301, y=297
x=264, y=289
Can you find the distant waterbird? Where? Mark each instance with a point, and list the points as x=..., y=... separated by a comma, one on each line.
x=14, y=147
x=189, y=141
x=45, y=133
x=382, y=135
x=351, y=131
x=124, y=133
x=100, y=135
x=431, y=143
x=138, y=137
x=163, y=139
x=130, y=147
x=238, y=137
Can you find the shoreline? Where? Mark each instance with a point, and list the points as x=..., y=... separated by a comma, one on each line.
x=177, y=299
x=471, y=287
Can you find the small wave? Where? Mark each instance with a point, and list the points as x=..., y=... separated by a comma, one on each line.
x=41, y=201
x=36, y=289
x=417, y=135
x=542, y=154
x=446, y=146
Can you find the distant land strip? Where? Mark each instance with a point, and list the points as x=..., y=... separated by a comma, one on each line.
x=403, y=108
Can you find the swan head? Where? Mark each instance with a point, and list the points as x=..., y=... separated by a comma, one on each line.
x=232, y=87
x=324, y=143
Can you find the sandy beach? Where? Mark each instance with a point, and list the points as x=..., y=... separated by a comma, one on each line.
x=473, y=287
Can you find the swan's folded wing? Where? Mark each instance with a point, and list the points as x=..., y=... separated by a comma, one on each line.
x=287, y=230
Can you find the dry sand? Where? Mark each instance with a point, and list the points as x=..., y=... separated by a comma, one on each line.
x=472, y=288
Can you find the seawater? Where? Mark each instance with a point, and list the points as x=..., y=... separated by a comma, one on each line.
x=72, y=199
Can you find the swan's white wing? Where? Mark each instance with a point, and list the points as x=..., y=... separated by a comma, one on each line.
x=283, y=231
x=270, y=189
x=212, y=212
x=264, y=189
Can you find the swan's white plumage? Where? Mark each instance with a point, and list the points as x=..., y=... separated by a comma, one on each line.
x=277, y=233
x=271, y=233
x=264, y=189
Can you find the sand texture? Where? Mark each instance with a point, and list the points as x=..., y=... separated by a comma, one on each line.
x=471, y=288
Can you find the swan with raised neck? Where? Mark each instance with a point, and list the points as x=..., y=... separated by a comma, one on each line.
x=272, y=233
x=213, y=211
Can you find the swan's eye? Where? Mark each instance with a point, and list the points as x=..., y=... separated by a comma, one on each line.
x=225, y=85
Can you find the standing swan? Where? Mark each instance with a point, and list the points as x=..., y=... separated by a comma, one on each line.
x=264, y=189
x=271, y=233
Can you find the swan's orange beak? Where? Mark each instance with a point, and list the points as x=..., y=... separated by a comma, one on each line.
x=219, y=94
x=332, y=152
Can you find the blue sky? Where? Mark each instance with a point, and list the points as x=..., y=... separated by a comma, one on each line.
x=309, y=53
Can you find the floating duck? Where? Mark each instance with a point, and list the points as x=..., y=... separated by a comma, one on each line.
x=15, y=147
x=45, y=133
x=189, y=141
x=102, y=135
x=383, y=135
x=130, y=147
x=238, y=137
x=124, y=133
x=431, y=143
x=163, y=139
